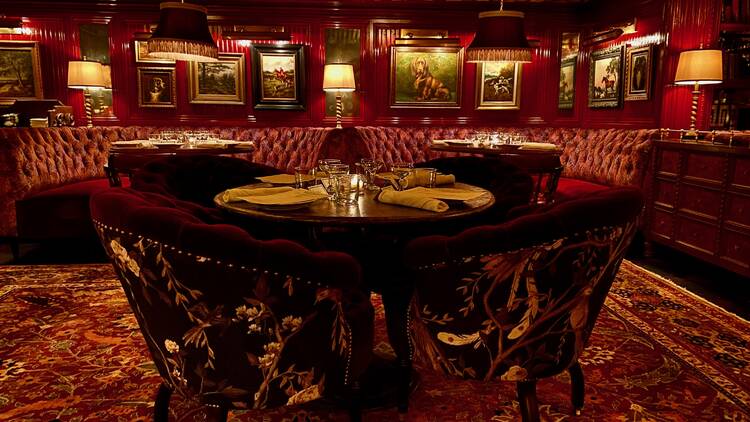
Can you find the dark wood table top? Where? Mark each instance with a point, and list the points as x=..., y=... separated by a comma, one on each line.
x=366, y=212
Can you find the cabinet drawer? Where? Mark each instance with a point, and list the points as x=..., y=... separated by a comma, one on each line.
x=696, y=235
x=669, y=162
x=662, y=224
x=665, y=193
x=735, y=247
x=709, y=168
x=703, y=202
x=738, y=210
x=741, y=173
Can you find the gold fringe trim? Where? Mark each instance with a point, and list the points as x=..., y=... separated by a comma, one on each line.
x=182, y=50
x=521, y=55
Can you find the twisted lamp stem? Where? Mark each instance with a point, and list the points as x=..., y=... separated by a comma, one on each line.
x=88, y=106
x=694, y=110
x=339, y=110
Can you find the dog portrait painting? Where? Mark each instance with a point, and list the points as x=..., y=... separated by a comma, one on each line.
x=156, y=87
x=426, y=76
x=498, y=86
x=639, y=63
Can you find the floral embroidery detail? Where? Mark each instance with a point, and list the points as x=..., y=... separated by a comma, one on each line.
x=121, y=254
x=515, y=373
x=171, y=346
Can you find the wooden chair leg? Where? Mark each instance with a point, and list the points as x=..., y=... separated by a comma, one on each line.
x=161, y=404
x=355, y=402
x=576, y=387
x=527, y=401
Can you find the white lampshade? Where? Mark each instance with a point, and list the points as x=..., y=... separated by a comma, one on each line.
x=84, y=74
x=339, y=78
x=700, y=67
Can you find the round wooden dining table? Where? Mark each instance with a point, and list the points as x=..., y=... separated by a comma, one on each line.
x=375, y=233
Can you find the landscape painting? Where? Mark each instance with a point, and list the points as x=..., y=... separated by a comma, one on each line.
x=142, y=54
x=221, y=82
x=605, y=78
x=279, y=77
x=20, y=72
x=498, y=86
x=566, y=94
x=426, y=76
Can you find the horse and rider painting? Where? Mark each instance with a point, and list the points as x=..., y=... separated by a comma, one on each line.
x=605, y=78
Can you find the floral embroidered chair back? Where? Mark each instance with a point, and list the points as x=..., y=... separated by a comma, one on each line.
x=227, y=318
x=518, y=301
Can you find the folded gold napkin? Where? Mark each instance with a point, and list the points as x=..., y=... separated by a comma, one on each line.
x=537, y=145
x=450, y=194
x=278, y=196
x=409, y=198
x=284, y=179
x=237, y=194
x=421, y=178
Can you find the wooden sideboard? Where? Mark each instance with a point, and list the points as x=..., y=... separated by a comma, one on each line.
x=699, y=202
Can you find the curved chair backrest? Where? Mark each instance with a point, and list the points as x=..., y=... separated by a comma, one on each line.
x=511, y=186
x=197, y=178
x=519, y=300
x=227, y=317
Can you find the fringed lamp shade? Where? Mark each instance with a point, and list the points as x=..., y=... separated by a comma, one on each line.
x=183, y=34
x=500, y=38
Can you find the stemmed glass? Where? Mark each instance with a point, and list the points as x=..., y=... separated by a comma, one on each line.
x=401, y=170
x=370, y=168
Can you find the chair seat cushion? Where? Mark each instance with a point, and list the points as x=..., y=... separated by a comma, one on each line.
x=59, y=212
x=568, y=188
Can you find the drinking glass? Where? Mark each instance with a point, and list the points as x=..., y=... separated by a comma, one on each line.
x=426, y=175
x=333, y=170
x=299, y=177
x=401, y=170
x=370, y=168
x=347, y=188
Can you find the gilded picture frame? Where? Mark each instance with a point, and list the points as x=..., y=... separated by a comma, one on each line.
x=425, y=76
x=498, y=86
x=157, y=87
x=605, y=78
x=140, y=49
x=20, y=71
x=221, y=82
x=279, y=77
x=567, y=90
x=639, y=65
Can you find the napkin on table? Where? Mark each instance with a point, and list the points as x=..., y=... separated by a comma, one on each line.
x=274, y=196
x=284, y=179
x=410, y=198
x=538, y=145
x=449, y=194
x=420, y=178
x=236, y=194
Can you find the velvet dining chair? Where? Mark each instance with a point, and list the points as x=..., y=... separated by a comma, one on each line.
x=231, y=321
x=518, y=301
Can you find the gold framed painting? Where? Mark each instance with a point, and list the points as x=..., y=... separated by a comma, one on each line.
x=20, y=71
x=638, y=72
x=140, y=47
x=605, y=78
x=279, y=77
x=157, y=87
x=498, y=86
x=567, y=91
x=426, y=77
x=221, y=82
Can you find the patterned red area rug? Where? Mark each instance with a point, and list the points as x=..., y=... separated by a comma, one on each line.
x=70, y=349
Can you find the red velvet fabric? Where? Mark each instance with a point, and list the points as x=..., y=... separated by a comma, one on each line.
x=568, y=188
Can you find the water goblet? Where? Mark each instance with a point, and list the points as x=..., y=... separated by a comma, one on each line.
x=401, y=170
x=370, y=168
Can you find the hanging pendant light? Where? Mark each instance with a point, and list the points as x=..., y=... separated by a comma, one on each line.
x=500, y=38
x=183, y=34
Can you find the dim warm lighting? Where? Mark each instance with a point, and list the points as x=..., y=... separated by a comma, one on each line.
x=183, y=34
x=500, y=38
x=698, y=67
x=338, y=78
x=86, y=75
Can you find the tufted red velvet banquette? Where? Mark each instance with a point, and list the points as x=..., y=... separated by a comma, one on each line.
x=41, y=194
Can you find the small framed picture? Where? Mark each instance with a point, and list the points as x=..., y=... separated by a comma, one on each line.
x=605, y=78
x=156, y=87
x=140, y=47
x=498, y=86
x=279, y=77
x=567, y=92
x=221, y=82
x=639, y=66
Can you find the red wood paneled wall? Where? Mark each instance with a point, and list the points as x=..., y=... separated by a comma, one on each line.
x=688, y=22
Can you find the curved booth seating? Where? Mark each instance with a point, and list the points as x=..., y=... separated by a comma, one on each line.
x=518, y=301
x=511, y=186
x=197, y=178
x=229, y=319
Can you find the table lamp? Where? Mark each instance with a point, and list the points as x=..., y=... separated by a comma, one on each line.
x=338, y=78
x=86, y=75
x=698, y=67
